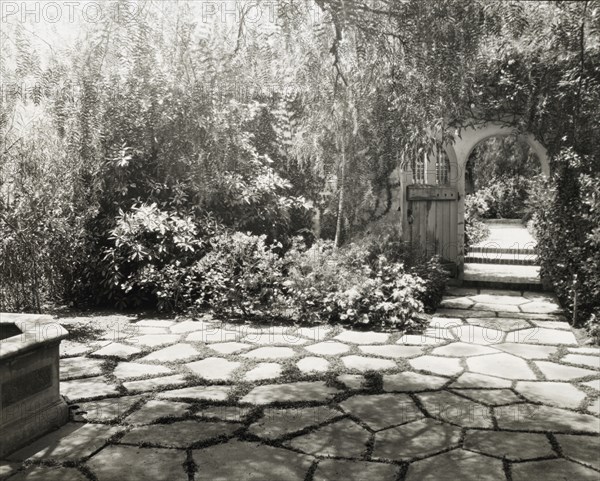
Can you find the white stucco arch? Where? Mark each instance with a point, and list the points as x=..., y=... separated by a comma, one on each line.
x=466, y=139
x=401, y=214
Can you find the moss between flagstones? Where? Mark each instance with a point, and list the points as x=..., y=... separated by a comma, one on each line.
x=249, y=414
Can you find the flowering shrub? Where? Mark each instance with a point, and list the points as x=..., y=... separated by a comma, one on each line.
x=315, y=274
x=388, y=297
x=429, y=269
x=178, y=263
x=342, y=286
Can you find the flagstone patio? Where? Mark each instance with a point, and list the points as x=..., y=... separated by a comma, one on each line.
x=496, y=388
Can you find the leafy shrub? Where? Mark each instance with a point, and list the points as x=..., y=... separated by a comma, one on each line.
x=240, y=273
x=435, y=278
x=540, y=193
x=42, y=221
x=343, y=286
x=150, y=252
x=566, y=218
x=177, y=263
x=389, y=296
x=39, y=248
x=502, y=198
x=254, y=197
x=163, y=259
x=476, y=231
x=499, y=157
x=429, y=269
x=593, y=327
x=313, y=274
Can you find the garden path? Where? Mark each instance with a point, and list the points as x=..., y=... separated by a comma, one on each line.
x=505, y=259
x=496, y=388
x=508, y=234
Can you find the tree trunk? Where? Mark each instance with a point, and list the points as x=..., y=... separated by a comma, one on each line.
x=340, y=213
x=316, y=223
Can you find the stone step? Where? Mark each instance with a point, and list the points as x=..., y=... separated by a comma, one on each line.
x=517, y=222
x=501, y=258
x=502, y=276
x=484, y=249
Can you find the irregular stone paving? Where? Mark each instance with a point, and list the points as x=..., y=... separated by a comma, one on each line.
x=264, y=370
x=495, y=388
x=277, y=423
x=154, y=410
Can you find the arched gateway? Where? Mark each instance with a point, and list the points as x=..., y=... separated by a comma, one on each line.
x=429, y=195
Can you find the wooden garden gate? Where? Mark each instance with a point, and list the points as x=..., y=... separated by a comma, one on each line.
x=433, y=187
x=431, y=201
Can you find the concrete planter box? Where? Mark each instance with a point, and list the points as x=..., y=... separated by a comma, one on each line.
x=30, y=401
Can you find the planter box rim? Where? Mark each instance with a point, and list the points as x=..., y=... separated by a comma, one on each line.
x=36, y=330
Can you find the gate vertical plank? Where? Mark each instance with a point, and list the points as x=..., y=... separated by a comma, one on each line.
x=453, y=220
x=424, y=224
x=448, y=223
x=431, y=227
x=415, y=229
x=441, y=228
x=435, y=226
x=418, y=219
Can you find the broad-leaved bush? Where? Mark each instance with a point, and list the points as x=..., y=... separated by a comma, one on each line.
x=343, y=286
x=566, y=220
